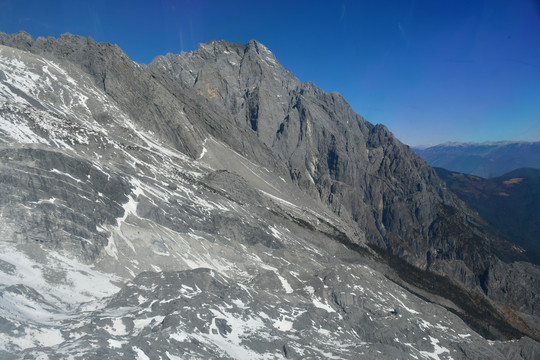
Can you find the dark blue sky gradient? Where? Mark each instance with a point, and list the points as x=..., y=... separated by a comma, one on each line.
x=432, y=71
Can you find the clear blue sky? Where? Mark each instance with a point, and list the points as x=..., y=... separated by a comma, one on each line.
x=432, y=71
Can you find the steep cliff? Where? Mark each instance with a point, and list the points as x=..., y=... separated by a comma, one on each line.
x=221, y=159
x=358, y=169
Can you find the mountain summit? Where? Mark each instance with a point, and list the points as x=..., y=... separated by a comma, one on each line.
x=211, y=205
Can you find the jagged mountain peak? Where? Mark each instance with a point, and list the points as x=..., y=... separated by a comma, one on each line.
x=334, y=154
x=216, y=47
x=261, y=50
x=20, y=39
x=62, y=46
x=217, y=200
x=246, y=64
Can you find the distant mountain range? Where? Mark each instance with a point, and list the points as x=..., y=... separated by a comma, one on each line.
x=510, y=203
x=487, y=159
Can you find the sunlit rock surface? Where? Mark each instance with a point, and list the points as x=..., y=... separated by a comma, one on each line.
x=184, y=210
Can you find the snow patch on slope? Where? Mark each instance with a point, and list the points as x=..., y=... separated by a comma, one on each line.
x=63, y=282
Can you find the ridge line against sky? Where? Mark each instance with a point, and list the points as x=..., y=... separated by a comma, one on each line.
x=431, y=71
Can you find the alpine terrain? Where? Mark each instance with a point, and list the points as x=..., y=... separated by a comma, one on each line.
x=510, y=203
x=211, y=205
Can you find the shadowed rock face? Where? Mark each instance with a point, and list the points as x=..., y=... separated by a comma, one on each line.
x=39, y=179
x=510, y=203
x=307, y=217
x=358, y=169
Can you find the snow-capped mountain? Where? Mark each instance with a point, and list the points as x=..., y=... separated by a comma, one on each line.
x=210, y=205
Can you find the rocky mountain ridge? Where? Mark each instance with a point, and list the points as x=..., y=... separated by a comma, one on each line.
x=112, y=169
x=358, y=169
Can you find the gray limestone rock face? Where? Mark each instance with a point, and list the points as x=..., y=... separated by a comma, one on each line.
x=517, y=282
x=210, y=205
x=333, y=153
x=359, y=170
x=201, y=314
x=58, y=201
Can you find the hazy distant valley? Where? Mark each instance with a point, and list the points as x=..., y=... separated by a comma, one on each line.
x=487, y=160
x=500, y=180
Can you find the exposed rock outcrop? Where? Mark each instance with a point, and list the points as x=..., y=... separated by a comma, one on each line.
x=133, y=178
